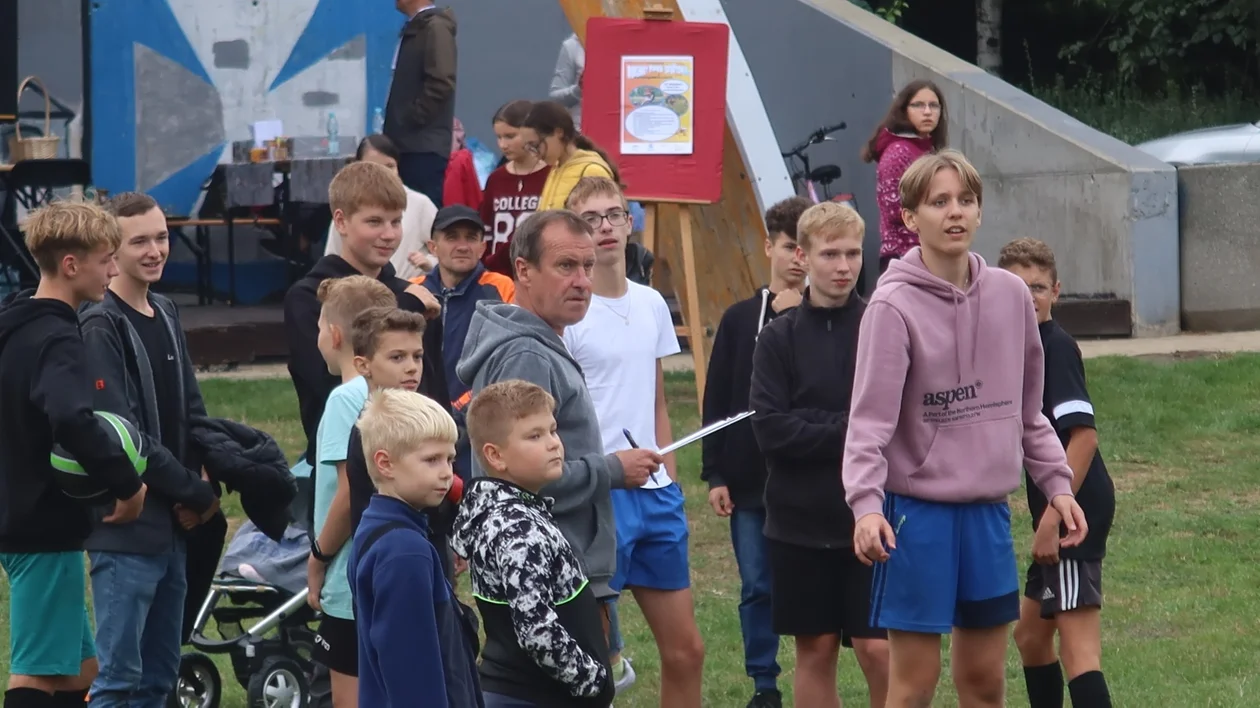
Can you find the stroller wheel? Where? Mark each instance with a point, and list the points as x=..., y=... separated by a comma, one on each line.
x=280, y=683
x=200, y=685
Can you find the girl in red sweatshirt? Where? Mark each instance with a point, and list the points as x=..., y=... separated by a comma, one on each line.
x=513, y=190
x=915, y=125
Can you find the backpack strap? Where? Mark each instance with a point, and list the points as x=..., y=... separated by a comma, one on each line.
x=376, y=535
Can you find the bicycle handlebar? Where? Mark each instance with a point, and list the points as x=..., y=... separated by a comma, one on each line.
x=816, y=137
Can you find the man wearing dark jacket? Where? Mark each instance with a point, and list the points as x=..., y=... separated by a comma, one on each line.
x=367, y=202
x=46, y=400
x=420, y=113
x=802, y=381
x=732, y=463
x=138, y=357
x=460, y=281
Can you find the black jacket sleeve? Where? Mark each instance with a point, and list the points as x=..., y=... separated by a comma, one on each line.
x=306, y=364
x=780, y=430
x=165, y=474
x=717, y=402
x=61, y=389
x=433, y=380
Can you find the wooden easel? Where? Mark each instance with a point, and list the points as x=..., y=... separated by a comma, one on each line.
x=693, y=325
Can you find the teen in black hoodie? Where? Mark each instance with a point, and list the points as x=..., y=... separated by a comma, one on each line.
x=732, y=462
x=46, y=399
x=801, y=385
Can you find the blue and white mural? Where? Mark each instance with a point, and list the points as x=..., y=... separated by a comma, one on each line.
x=174, y=82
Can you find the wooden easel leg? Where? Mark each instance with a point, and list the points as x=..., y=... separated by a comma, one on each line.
x=649, y=232
x=695, y=327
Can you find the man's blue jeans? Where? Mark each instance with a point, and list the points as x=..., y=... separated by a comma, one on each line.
x=761, y=644
x=139, y=603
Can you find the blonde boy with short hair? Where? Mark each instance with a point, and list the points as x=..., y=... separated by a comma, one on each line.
x=414, y=642
x=545, y=642
x=46, y=400
x=328, y=588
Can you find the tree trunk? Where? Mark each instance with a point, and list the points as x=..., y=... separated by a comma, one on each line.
x=989, y=35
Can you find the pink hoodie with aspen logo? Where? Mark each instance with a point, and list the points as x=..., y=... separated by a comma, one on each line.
x=947, y=394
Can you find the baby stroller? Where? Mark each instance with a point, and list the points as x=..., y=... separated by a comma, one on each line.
x=262, y=622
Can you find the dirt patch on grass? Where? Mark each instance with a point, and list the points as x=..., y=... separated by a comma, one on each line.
x=1136, y=476
x=1191, y=355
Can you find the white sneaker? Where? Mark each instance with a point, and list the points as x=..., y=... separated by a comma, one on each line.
x=627, y=677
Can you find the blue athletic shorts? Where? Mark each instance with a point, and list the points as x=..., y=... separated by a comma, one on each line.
x=50, y=633
x=652, y=539
x=954, y=566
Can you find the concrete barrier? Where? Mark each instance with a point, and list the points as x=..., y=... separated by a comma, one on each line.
x=1108, y=210
x=1220, y=247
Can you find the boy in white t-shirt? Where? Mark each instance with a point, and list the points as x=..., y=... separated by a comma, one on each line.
x=619, y=345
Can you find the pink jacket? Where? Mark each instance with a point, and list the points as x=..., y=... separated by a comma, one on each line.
x=947, y=393
x=896, y=153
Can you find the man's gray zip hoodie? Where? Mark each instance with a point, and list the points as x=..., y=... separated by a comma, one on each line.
x=508, y=342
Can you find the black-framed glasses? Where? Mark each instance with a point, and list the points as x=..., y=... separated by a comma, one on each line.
x=615, y=217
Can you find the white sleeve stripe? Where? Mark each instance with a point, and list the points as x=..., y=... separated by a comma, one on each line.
x=1069, y=407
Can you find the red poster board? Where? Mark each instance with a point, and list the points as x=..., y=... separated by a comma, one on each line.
x=665, y=133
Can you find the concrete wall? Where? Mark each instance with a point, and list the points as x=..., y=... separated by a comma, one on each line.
x=1220, y=248
x=1108, y=210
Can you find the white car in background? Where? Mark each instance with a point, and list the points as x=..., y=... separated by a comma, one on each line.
x=1207, y=146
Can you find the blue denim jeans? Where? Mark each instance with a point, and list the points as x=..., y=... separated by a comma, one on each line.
x=761, y=644
x=139, y=602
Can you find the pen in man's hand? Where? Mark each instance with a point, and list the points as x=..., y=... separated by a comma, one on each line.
x=629, y=438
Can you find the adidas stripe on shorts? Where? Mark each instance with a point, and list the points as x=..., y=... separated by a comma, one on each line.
x=1065, y=586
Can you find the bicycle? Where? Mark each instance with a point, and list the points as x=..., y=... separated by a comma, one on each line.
x=806, y=181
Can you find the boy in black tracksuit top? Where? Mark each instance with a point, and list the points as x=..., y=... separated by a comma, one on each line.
x=802, y=382
x=732, y=462
x=46, y=399
x=1064, y=586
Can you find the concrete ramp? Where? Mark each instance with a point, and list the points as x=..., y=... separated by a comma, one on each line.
x=1108, y=210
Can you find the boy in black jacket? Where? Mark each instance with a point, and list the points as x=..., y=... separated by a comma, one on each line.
x=1063, y=593
x=46, y=399
x=802, y=381
x=732, y=463
x=367, y=201
x=138, y=355
x=545, y=644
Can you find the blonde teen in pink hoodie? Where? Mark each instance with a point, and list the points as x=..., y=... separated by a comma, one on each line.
x=946, y=411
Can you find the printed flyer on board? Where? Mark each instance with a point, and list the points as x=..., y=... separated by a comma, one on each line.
x=656, y=105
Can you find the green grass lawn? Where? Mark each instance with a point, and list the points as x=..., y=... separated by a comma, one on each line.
x=1183, y=612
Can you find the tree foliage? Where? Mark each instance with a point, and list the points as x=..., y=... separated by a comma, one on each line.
x=1154, y=41
x=889, y=10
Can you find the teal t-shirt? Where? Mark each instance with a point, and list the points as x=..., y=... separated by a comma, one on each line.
x=332, y=439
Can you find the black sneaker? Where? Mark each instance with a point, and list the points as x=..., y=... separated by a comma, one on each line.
x=766, y=699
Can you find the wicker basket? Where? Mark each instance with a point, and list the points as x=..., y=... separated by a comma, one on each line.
x=37, y=148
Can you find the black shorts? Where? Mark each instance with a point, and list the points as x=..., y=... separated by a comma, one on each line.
x=337, y=646
x=817, y=591
x=1065, y=586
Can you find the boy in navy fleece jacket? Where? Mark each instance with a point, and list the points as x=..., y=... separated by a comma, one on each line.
x=414, y=641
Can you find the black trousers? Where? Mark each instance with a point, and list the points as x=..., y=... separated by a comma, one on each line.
x=424, y=172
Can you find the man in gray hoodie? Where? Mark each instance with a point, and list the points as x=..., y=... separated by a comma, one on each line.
x=553, y=253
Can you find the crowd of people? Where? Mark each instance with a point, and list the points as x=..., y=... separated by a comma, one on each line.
x=481, y=392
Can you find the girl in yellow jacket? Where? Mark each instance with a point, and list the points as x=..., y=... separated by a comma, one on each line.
x=548, y=132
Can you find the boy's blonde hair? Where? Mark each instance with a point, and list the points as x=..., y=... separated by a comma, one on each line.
x=64, y=228
x=826, y=221
x=399, y=422
x=1029, y=253
x=589, y=187
x=497, y=408
x=360, y=185
x=372, y=324
x=917, y=178
x=344, y=298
